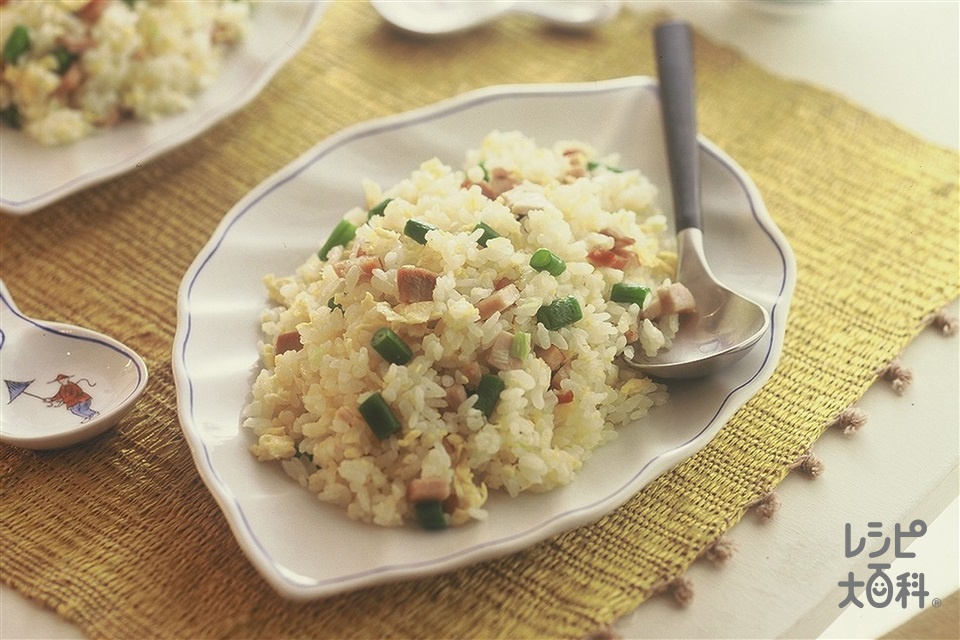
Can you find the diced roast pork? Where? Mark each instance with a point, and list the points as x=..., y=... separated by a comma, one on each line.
x=619, y=242
x=499, y=356
x=289, y=341
x=670, y=299
x=472, y=372
x=71, y=79
x=553, y=356
x=366, y=264
x=456, y=395
x=423, y=489
x=525, y=198
x=560, y=369
x=607, y=258
x=498, y=301
x=617, y=257
x=578, y=164
x=500, y=180
x=92, y=11
x=415, y=284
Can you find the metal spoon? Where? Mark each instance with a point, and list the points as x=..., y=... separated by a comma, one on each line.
x=725, y=325
x=64, y=384
x=442, y=17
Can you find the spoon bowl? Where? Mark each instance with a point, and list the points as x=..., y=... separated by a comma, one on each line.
x=62, y=384
x=725, y=325
x=721, y=331
x=443, y=17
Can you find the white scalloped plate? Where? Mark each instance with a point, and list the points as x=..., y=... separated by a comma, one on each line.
x=35, y=176
x=306, y=549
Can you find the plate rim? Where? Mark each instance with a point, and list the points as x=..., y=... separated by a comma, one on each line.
x=297, y=587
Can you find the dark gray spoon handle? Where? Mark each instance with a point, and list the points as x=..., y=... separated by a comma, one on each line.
x=673, y=42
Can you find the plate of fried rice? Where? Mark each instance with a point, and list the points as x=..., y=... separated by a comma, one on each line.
x=91, y=89
x=403, y=353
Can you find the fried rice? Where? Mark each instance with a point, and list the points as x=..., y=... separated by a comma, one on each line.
x=501, y=371
x=71, y=67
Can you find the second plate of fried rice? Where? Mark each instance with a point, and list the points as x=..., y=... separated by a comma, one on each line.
x=91, y=89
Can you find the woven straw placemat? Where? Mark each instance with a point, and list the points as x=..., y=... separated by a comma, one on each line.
x=121, y=537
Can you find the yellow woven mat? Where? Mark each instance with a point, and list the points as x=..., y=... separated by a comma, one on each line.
x=121, y=537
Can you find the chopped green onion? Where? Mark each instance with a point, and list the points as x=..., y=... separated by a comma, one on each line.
x=560, y=313
x=546, y=260
x=623, y=292
x=486, y=174
x=379, y=209
x=11, y=116
x=489, y=233
x=520, y=347
x=430, y=514
x=18, y=42
x=379, y=417
x=488, y=393
x=64, y=59
x=593, y=165
x=343, y=233
x=391, y=346
x=417, y=230
x=333, y=304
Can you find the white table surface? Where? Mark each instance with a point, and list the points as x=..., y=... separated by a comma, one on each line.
x=900, y=60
